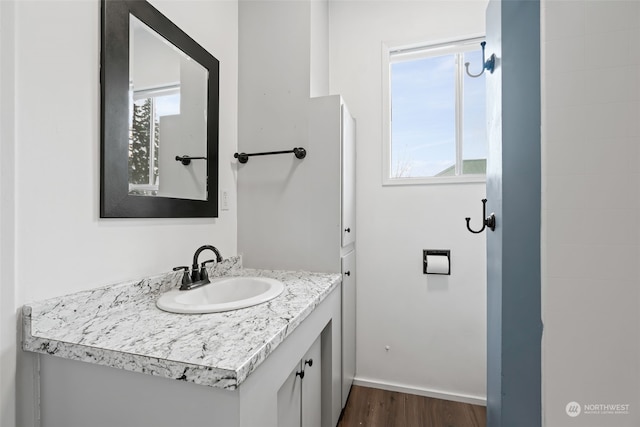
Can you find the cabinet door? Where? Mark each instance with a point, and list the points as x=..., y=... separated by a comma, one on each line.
x=348, y=166
x=289, y=400
x=348, y=323
x=300, y=397
x=312, y=387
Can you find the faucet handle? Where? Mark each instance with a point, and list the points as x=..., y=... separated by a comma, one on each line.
x=204, y=275
x=186, y=280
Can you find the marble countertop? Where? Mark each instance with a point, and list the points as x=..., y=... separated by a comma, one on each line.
x=120, y=326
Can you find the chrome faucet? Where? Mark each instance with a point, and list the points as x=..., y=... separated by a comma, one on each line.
x=198, y=277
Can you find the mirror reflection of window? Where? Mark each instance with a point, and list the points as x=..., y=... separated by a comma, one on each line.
x=167, y=110
x=144, y=142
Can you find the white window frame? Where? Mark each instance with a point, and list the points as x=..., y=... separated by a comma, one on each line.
x=418, y=50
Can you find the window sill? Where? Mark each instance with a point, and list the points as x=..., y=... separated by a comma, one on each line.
x=436, y=180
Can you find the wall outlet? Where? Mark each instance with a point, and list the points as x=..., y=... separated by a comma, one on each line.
x=224, y=200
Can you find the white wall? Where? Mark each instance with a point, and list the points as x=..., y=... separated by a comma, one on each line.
x=7, y=219
x=590, y=208
x=283, y=59
x=61, y=245
x=435, y=325
x=155, y=63
x=319, y=49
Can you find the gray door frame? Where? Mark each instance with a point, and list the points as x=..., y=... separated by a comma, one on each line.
x=514, y=326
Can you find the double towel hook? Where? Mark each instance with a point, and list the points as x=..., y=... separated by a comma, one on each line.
x=489, y=221
x=489, y=64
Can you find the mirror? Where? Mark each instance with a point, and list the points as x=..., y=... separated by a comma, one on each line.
x=167, y=106
x=159, y=121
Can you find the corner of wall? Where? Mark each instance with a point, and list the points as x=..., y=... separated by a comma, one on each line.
x=8, y=319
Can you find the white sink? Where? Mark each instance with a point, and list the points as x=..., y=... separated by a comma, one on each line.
x=222, y=294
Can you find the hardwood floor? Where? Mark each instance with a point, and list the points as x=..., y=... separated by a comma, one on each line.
x=370, y=407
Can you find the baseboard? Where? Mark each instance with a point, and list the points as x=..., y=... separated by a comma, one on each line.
x=403, y=388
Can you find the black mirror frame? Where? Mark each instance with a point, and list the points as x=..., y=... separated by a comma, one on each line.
x=115, y=200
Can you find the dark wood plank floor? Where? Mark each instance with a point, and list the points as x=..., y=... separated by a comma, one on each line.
x=370, y=407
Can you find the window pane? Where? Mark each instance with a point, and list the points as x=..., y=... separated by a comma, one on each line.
x=474, y=146
x=167, y=105
x=164, y=105
x=140, y=141
x=423, y=117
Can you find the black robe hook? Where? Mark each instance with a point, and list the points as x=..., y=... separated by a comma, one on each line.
x=489, y=64
x=489, y=221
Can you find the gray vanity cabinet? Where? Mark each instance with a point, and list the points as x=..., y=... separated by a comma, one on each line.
x=78, y=394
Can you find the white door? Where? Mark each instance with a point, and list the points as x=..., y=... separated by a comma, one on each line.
x=348, y=136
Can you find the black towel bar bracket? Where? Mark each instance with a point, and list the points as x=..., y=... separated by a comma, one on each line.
x=186, y=160
x=299, y=152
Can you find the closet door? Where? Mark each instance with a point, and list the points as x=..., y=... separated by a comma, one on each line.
x=348, y=169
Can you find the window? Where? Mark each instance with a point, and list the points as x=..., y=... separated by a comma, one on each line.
x=434, y=114
x=148, y=106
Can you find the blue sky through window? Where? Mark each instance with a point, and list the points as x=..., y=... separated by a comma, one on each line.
x=423, y=121
x=474, y=129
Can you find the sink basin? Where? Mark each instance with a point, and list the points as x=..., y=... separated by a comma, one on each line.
x=222, y=294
